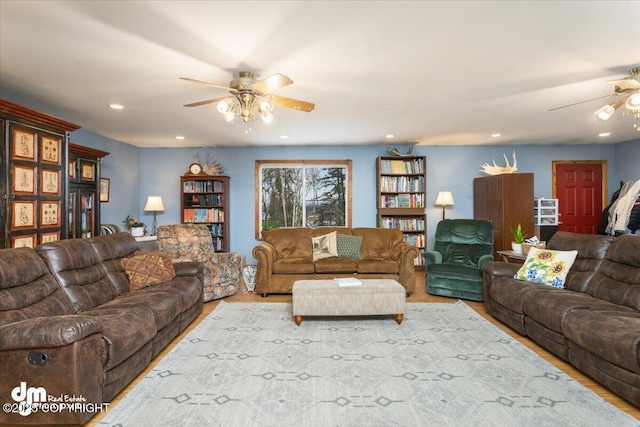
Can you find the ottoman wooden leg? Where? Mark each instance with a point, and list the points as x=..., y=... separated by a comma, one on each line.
x=298, y=319
x=399, y=318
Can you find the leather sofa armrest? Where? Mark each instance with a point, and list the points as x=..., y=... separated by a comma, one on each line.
x=432, y=257
x=500, y=269
x=188, y=268
x=53, y=331
x=483, y=260
x=265, y=253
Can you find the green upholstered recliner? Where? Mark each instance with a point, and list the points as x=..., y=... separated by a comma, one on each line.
x=454, y=267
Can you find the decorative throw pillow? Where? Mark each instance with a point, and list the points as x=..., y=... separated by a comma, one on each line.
x=348, y=246
x=148, y=268
x=547, y=267
x=324, y=246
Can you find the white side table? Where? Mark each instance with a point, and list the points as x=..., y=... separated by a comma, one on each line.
x=147, y=243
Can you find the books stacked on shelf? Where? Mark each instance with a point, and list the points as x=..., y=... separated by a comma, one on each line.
x=218, y=243
x=409, y=184
x=203, y=200
x=216, y=229
x=202, y=186
x=401, y=167
x=404, y=200
x=404, y=224
x=195, y=215
x=415, y=239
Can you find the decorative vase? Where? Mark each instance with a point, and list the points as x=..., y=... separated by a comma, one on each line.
x=137, y=231
x=249, y=275
x=516, y=247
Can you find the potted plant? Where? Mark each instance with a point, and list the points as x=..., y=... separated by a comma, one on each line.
x=134, y=226
x=518, y=238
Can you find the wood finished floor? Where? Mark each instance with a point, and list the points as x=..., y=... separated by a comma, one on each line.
x=419, y=296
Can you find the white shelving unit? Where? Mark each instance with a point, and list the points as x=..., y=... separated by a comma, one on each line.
x=545, y=211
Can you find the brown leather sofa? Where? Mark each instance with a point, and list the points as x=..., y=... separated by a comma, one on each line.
x=69, y=324
x=286, y=255
x=594, y=322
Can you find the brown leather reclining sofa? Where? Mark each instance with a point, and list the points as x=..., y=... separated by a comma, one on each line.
x=286, y=255
x=594, y=322
x=69, y=323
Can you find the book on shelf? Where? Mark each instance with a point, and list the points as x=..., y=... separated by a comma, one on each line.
x=347, y=281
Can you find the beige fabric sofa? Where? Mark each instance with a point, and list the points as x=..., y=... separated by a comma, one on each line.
x=286, y=255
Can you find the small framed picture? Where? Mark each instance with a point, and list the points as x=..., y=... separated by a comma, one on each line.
x=72, y=169
x=23, y=214
x=49, y=213
x=24, y=179
x=50, y=150
x=87, y=171
x=104, y=189
x=24, y=241
x=49, y=237
x=50, y=181
x=24, y=144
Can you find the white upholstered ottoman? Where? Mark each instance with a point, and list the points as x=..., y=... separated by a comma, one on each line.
x=328, y=298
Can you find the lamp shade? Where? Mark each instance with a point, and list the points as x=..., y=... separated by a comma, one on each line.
x=445, y=198
x=154, y=204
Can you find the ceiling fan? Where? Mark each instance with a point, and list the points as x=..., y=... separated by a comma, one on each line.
x=628, y=91
x=251, y=98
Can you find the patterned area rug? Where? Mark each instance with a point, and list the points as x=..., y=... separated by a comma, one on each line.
x=250, y=365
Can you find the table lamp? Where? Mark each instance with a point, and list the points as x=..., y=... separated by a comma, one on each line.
x=155, y=205
x=444, y=199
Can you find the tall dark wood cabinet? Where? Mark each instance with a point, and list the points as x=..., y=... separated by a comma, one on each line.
x=33, y=177
x=83, y=201
x=205, y=200
x=401, y=185
x=505, y=200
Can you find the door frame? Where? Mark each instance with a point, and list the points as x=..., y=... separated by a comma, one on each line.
x=605, y=181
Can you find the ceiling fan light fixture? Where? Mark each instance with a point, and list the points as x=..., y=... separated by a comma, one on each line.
x=604, y=113
x=229, y=116
x=266, y=117
x=266, y=104
x=224, y=106
x=633, y=102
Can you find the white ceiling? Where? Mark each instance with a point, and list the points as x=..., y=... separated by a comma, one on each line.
x=432, y=73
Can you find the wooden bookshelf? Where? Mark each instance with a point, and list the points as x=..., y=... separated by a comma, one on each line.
x=204, y=200
x=401, y=194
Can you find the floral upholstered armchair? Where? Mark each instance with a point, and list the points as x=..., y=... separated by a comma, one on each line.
x=193, y=242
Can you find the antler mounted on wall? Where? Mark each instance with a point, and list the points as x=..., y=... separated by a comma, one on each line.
x=498, y=170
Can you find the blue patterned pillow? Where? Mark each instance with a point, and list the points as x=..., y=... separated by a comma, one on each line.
x=349, y=246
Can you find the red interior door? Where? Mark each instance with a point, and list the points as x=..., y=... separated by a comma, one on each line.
x=579, y=190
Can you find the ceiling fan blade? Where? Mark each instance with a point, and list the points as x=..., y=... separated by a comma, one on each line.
x=583, y=102
x=293, y=103
x=625, y=84
x=271, y=83
x=208, y=101
x=207, y=84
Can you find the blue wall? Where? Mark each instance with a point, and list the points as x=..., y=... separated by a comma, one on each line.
x=627, y=162
x=122, y=167
x=138, y=173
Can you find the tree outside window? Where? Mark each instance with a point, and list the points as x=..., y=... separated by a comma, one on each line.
x=302, y=193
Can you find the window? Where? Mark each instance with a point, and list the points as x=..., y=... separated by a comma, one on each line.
x=302, y=193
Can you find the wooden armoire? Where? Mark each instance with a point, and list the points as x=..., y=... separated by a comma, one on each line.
x=505, y=200
x=33, y=176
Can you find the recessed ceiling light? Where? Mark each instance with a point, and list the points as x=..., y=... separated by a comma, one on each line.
x=284, y=137
x=496, y=135
x=117, y=106
x=180, y=137
x=604, y=134
x=390, y=136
